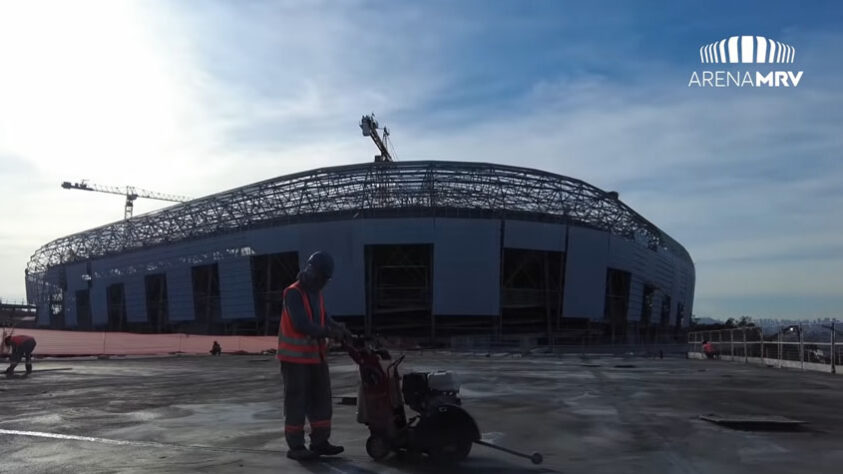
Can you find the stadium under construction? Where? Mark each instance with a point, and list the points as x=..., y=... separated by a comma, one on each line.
x=426, y=248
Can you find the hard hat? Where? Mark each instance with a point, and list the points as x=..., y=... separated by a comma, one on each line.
x=322, y=263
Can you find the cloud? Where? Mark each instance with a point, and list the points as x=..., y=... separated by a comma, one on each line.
x=749, y=181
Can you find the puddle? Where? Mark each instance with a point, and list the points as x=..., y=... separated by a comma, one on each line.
x=754, y=422
x=93, y=439
x=45, y=419
x=595, y=411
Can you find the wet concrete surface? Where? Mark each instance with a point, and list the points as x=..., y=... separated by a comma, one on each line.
x=586, y=415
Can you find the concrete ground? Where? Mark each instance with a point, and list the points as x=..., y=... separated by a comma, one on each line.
x=586, y=415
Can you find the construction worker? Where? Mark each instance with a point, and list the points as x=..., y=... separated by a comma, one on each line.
x=302, y=352
x=216, y=349
x=21, y=346
x=709, y=350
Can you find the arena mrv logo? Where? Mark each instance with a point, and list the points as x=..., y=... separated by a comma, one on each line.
x=744, y=50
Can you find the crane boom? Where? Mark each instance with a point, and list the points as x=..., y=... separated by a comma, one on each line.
x=370, y=127
x=130, y=192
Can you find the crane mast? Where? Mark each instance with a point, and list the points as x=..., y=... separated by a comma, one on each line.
x=132, y=193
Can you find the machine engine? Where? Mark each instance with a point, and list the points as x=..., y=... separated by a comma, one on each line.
x=423, y=391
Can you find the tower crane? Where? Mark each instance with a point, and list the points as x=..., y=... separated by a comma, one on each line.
x=370, y=128
x=130, y=192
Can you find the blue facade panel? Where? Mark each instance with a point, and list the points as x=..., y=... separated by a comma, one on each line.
x=381, y=232
x=585, y=273
x=75, y=282
x=180, y=293
x=534, y=236
x=236, y=295
x=624, y=255
x=466, y=273
x=42, y=315
x=99, y=310
x=343, y=295
x=273, y=239
x=466, y=266
x=135, y=294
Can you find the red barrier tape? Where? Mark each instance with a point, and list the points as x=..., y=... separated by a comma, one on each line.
x=78, y=343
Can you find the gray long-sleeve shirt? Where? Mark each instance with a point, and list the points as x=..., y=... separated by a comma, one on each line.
x=294, y=303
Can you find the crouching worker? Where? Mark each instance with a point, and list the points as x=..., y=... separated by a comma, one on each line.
x=304, y=369
x=709, y=350
x=216, y=349
x=21, y=347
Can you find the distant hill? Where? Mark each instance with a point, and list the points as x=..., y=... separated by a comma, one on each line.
x=707, y=321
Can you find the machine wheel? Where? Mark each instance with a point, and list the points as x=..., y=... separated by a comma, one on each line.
x=446, y=434
x=377, y=447
x=451, y=449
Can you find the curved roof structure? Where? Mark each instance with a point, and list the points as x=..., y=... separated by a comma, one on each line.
x=395, y=189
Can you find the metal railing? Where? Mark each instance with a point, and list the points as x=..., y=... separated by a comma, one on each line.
x=814, y=346
x=13, y=302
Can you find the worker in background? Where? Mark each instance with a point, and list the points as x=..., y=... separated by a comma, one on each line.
x=21, y=347
x=708, y=350
x=302, y=351
x=216, y=349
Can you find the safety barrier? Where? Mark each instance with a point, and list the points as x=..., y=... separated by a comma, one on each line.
x=80, y=343
x=534, y=346
x=803, y=346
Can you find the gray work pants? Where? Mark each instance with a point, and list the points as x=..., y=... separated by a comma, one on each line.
x=307, y=394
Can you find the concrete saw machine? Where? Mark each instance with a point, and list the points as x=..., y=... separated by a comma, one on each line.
x=440, y=428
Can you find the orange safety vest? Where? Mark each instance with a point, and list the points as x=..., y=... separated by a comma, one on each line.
x=18, y=340
x=294, y=346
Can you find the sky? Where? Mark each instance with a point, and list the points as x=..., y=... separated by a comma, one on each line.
x=193, y=98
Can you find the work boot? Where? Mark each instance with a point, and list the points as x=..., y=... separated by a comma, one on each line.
x=326, y=449
x=301, y=454
x=9, y=373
